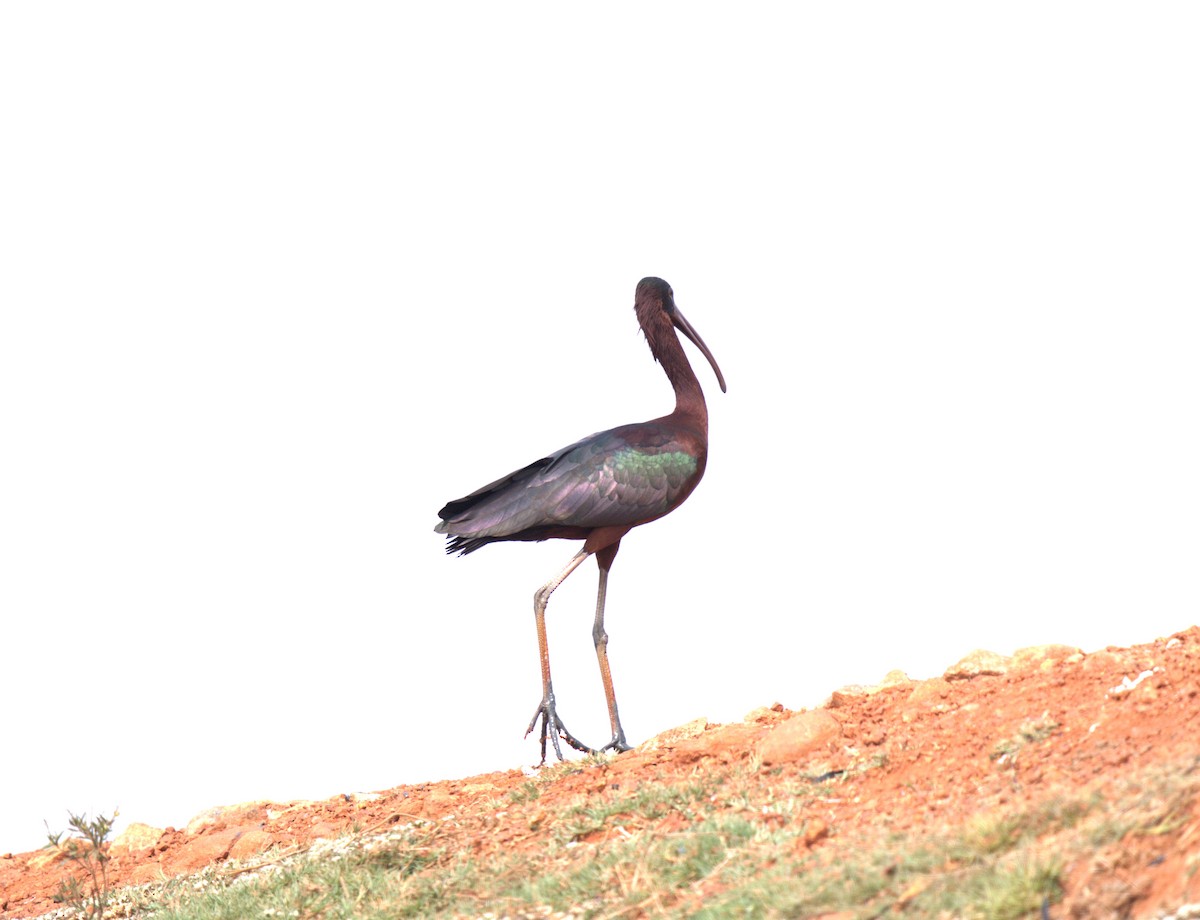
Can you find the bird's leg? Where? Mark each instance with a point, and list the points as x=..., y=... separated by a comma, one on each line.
x=604, y=559
x=552, y=725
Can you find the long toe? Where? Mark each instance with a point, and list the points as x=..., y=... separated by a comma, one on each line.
x=618, y=744
x=545, y=714
x=553, y=726
x=571, y=739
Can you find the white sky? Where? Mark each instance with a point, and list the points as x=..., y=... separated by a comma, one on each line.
x=281, y=279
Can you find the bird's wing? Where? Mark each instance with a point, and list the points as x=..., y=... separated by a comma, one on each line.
x=621, y=476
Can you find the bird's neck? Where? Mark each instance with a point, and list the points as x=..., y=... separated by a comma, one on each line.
x=689, y=397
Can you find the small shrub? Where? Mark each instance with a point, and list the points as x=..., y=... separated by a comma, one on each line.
x=88, y=847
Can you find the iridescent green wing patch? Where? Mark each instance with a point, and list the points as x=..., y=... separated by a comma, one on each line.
x=633, y=483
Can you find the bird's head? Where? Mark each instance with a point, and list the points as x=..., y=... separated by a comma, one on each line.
x=654, y=303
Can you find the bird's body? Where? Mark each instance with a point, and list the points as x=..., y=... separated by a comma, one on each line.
x=621, y=477
x=597, y=490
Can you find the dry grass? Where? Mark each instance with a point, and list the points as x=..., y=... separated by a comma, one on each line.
x=717, y=845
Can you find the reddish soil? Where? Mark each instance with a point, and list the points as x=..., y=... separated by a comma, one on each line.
x=999, y=734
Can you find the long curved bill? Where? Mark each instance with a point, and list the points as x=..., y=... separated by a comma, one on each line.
x=686, y=328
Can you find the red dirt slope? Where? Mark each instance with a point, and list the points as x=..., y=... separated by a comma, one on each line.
x=994, y=735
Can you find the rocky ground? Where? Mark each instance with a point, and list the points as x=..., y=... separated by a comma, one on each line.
x=994, y=736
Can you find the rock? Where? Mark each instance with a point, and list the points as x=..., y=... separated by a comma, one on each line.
x=764, y=713
x=1106, y=661
x=439, y=797
x=798, y=736
x=203, y=850
x=1144, y=686
x=929, y=691
x=1045, y=655
x=206, y=818
x=725, y=742
x=136, y=837
x=979, y=663
x=845, y=695
x=250, y=844
x=47, y=857
x=324, y=830
x=673, y=736
x=255, y=812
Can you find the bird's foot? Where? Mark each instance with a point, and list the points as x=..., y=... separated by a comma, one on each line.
x=553, y=728
x=618, y=745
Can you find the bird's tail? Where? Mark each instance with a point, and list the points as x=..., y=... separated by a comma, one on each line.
x=464, y=545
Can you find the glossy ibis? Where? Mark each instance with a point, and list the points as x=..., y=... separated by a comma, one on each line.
x=597, y=490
